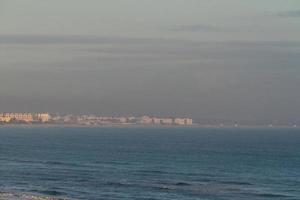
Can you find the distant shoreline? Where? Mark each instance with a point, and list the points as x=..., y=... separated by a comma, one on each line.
x=138, y=126
x=93, y=126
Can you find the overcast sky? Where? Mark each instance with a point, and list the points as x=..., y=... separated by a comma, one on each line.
x=206, y=59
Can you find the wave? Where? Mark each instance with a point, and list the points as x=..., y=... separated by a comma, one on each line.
x=182, y=184
x=235, y=183
x=152, y=171
x=119, y=184
x=268, y=195
x=49, y=192
x=59, y=163
x=34, y=162
x=25, y=196
x=145, y=185
x=158, y=172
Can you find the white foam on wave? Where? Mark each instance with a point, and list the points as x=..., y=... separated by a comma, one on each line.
x=21, y=196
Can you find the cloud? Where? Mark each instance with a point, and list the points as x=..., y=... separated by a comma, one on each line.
x=291, y=13
x=194, y=28
x=135, y=76
x=73, y=39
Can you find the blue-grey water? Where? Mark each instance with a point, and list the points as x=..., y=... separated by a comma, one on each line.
x=151, y=163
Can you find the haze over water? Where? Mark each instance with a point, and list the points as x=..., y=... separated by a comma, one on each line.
x=209, y=60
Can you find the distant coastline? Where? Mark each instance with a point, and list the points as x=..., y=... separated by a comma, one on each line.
x=143, y=126
x=91, y=120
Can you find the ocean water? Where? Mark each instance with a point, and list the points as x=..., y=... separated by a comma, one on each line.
x=150, y=163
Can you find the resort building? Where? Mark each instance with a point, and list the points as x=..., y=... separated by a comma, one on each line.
x=24, y=117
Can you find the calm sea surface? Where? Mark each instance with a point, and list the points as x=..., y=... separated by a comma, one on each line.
x=154, y=163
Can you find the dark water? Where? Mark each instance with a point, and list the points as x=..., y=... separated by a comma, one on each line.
x=134, y=163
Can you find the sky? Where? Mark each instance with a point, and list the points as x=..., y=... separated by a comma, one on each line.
x=206, y=59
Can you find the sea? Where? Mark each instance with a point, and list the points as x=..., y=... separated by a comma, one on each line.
x=149, y=163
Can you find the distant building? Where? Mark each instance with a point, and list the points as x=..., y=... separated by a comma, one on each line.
x=156, y=120
x=188, y=121
x=43, y=117
x=4, y=119
x=179, y=121
x=146, y=120
x=167, y=121
x=24, y=117
x=183, y=121
x=122, y=120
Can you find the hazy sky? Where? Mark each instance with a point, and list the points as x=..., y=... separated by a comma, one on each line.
x=207, y=59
